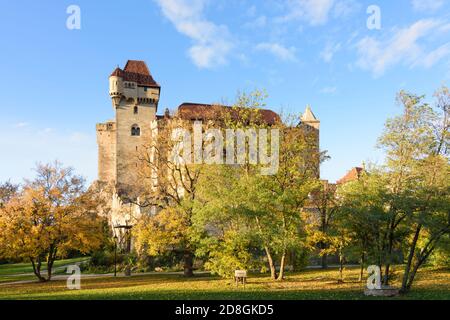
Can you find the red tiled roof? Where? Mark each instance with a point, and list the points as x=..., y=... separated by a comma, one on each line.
x=136, y=71
x=352, y=175
x=198, y=111
x=135, y=66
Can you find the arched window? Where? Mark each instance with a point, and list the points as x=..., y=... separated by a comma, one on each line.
x=136, y=110
x=135, y=130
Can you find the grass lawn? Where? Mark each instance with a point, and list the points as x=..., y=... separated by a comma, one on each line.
x=23, y=271
x=309, y=284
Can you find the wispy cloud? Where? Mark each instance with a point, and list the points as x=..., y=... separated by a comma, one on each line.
x=328, y=90
x=21, y=125
x=211, y=42
x=403, y=47
x=315, y=12
x=278, y=50
x=318, y=12
x=427, y=5
x=329, y=51
x=345, y=8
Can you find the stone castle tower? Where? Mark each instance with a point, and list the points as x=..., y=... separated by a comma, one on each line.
x=135, y=96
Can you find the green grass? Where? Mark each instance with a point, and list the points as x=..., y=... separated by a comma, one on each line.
x=309, y=284
x=21, y=268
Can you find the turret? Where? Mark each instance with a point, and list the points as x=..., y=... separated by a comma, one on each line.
x=135, y=84
x=308, y=118
x=116, y=86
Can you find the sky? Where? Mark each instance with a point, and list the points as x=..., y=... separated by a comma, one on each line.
x=335, y=55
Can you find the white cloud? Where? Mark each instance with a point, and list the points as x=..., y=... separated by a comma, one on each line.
x=21, y=125
x=315, y=12
x=402, y=47
x=345, y=8
x=328, y=90
x=435, y=56
x=211, y=42
x=329, y=51
x=427, y=5
x=281, y=52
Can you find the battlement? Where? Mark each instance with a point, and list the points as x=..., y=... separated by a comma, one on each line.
x=107, y=126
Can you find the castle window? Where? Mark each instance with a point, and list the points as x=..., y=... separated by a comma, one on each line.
x=135, y=130
x=136, y=110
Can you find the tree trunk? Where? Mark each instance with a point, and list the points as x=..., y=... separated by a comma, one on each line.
x=361, y=269
x=50, y=260
x=386, y=274
x=273, y=270
x=188, y=264
x=412, y=251
x=282, y=264
x=37, y=269
x=420, y=261
x=324, y=261
x=341, y=267
x=49, y=270
x=389, y=252
x=323, y=245
x=412, y=276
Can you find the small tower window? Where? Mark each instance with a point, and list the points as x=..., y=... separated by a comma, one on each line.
x=135, y=131
x=136, y=110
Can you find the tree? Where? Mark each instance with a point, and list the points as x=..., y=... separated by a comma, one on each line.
x=416, y=146
x=265, y=207
x=323, y=200
x=278, y=200
x=170, y=186
x=362, y=212
x=7, y=191
x=404, y=204
x=51, y=216
x=224, y=227
x=430, y=215
x=407, y=138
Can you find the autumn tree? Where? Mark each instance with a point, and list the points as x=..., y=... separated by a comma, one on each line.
x=7, y=191
x=170, y=175
x=52, y=215
x=323, y=205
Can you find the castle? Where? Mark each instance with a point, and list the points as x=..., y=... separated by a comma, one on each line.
x=135, y=99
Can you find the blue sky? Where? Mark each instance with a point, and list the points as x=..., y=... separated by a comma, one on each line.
x=54, y=81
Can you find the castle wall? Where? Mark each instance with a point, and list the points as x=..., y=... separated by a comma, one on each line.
x=106, y=140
